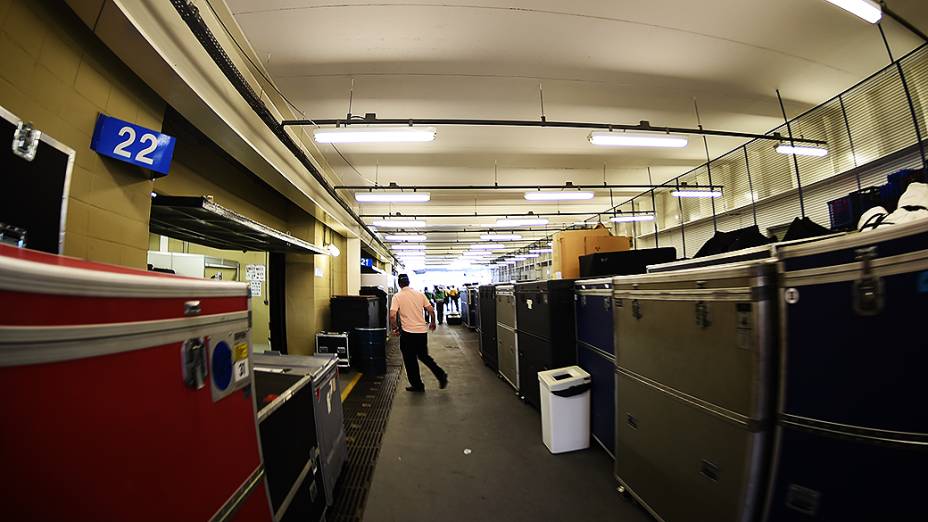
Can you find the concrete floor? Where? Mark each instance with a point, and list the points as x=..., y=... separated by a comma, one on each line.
x=423, y=473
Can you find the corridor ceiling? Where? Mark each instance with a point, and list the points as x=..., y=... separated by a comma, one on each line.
x=605, y=61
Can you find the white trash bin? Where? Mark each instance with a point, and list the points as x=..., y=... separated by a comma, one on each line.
x=565, y=409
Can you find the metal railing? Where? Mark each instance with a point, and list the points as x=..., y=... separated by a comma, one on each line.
x=868, y=121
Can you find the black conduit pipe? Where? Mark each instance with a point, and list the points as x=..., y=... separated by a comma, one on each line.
x=191, y=16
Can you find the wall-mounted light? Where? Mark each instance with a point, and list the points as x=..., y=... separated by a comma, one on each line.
x=687, y=193
x=406, y=237
x=400, y=223
x=521, y=222
x=340, y=135
x=638, y=139
x=500, y=237
x=798, y=150
x=631, y=218
x=866, y=9
x=392, y=197
x=566, y=195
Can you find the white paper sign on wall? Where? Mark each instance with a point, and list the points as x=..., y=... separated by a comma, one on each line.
x=255, y=287
x=255, y=272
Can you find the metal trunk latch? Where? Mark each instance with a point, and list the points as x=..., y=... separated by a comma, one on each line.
x=868, y=289
x=192, y=308
x=193, y=362
x=636, y=309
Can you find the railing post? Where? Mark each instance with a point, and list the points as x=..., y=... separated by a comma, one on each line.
x=747, y=167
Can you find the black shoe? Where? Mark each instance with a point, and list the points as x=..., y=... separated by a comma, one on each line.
x=443, y=382
x=416, y=389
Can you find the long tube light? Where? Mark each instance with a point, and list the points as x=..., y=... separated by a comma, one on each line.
x=521, y=222
x=487, y=246
x=541, y=250
x=400, y=223
x=406, y=237
x=696, y=193
x=638, y=139
x=408, y=246
x=866, y=9
x=392, y=197
x=526, y=256
x=798, y=150
x=632, y=217
x=500, y=237
x=566, y=195
x=340, y=135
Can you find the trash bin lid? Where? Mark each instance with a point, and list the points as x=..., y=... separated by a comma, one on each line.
x=563, y=378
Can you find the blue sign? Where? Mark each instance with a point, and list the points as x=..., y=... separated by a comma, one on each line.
x=366, y=261
x=133, y=144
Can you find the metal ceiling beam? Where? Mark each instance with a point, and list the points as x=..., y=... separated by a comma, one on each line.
x=371, y=119
x=509, y=215
x=393, y=186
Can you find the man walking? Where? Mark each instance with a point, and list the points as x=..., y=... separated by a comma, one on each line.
x=407, y=321
x=440, y=299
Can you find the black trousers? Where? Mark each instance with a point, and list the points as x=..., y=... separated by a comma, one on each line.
x=454, y=301
x=415, y=348
x=440, y=311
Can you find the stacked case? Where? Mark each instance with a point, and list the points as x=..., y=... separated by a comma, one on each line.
x=596, y=354
x=852, y=428
x=507, y=347
x=546, y=338
x=290, y=445
x=693, y=376
x=487, y=320
x=326, y=408
x=128, y=393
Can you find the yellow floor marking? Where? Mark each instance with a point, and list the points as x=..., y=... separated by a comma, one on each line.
x=350, y=386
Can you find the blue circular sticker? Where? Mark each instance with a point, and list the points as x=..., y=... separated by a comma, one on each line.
x=222, y=365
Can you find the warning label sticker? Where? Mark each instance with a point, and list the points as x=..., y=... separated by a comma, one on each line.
x=241, y=352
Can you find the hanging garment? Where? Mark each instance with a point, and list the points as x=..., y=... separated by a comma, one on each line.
x=802, y=228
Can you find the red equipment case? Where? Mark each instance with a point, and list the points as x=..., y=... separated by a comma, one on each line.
x=128, y=395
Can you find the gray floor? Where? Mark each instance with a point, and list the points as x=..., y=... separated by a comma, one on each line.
x=423, y=473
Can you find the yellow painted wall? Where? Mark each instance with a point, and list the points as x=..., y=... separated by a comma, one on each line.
x=260, y=309
x=56, y=73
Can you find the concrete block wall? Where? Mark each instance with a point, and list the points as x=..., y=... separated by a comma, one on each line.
x=57, y=74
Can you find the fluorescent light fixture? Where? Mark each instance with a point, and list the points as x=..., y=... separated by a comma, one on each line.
x=400, y=223
x=632, y=217
x=340, y=135
x=541, y=250
x=526, y=256
x=408, y=246
x=566, y=195
x=478, y=255
x=585, y=223
x=638, y=139
x=866, y=9
x=487, y=246
x=408, y=237
x=697, y=193
x=798, y=150
x=501, y=237
x=521, y=222
x=392, y=197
